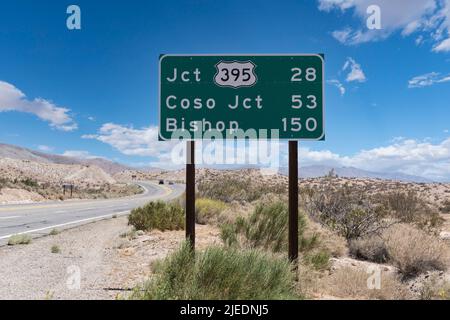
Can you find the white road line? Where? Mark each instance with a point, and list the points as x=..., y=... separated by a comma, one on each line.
x=11, y=217
x=67, y=224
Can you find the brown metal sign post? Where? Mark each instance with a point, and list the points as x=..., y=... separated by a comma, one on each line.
x=190, y=192
x=293, y=200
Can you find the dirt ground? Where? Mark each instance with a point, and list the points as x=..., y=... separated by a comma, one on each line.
x=108, y=264
x=109, y=260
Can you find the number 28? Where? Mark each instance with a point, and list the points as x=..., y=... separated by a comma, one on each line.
x=310, y=74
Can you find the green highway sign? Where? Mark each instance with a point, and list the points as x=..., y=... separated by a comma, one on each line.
x=257, y=96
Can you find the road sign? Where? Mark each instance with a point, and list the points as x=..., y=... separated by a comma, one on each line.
x=235, y=94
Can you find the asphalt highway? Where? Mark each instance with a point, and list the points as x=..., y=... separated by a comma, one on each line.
x=38, y=219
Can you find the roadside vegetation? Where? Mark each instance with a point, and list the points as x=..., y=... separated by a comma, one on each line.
x=54, y=232
x=233, y=188
x=55, y=249
x=345, y=228
x=157, y=215
x=220, y=273
x=209, y=211
x=445, y=207
x=19, y=239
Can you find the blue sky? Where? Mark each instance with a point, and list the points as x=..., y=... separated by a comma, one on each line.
x=93, y=92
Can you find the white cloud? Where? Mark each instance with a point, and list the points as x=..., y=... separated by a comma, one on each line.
x=338, y=85
x=45, y=148
x=355, y=71
x=421, y=158
x=131, y=141
x=427, y=79
x=80, y=154
x=12, y=99
x=444, y=46
x=431, y=18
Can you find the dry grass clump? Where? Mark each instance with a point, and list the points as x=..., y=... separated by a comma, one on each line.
x=371, y=248
x=351, y=283
x=414, y=251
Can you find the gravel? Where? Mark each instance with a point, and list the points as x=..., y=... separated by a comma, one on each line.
x=108, y=264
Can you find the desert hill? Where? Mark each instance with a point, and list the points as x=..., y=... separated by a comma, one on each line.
x=19, y=153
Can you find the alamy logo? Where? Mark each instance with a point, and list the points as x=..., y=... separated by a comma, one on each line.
x=73, y=21
x=235, y=74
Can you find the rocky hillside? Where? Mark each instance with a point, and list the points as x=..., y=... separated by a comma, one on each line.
x=19, y=153
x=51, y=173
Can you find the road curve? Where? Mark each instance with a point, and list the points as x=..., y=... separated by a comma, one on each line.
x=39, y=219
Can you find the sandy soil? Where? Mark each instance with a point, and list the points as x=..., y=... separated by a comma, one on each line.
x=13, y=196
x=108, y=264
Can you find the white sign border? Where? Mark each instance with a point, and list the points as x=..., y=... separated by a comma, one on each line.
x=162, y=56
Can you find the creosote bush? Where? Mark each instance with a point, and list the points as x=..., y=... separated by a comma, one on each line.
x=349, y=212
x=219, y=273
x=408, y=207
x=157, y=215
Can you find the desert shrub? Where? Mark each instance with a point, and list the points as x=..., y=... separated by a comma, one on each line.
x=157, y=215
x=445, y=207
x=208, y=211
x=408, y=207
x=3, y=183
x=319, y=260
x=267, y=228
x=19, y=239
x=330, y=241
x=219, y=273
x=236, y=188
x=434, y=288
x=414, y=251
x=30, y=183
x=348, y=211
x=54, y=232
x=55, y=249
x=370, y=248
x=352, y=283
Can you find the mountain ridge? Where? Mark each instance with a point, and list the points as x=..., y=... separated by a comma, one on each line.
x=21, y=153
